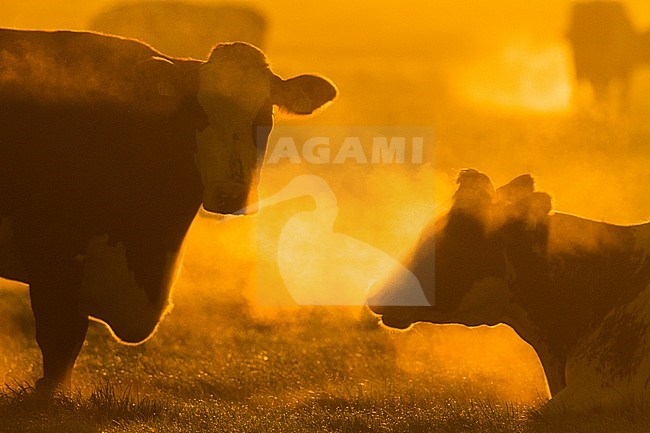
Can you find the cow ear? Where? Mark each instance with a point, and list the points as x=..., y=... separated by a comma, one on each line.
x=302, y=94
x=521, y=205
x=475, y=192
x=517, y=187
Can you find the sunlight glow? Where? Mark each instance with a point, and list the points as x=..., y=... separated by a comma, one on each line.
x=522, y=77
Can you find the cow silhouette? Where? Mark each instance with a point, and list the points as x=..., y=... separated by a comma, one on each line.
x=108, y=149
x=578, y=291
x=183, y=29
x=606, y=47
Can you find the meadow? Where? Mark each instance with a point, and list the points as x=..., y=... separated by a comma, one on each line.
x=495, y=83
x=216, y=365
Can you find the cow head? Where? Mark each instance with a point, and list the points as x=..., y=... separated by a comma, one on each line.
x=460, y=258
x=237, y=91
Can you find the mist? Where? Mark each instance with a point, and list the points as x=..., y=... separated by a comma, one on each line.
x=496, y=82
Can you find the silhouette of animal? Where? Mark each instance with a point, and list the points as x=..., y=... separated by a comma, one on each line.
x=108, y=149
x=606, y=46
x=183, y=29
x=576, y=290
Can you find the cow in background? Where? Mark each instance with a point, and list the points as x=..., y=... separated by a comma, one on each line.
x=183, y=29
x=606, y=47
x=578, y=291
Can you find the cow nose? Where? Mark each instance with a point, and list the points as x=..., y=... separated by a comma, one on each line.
x=401, y=288
x=375, y=306
x=250, y=209
x=377, y=309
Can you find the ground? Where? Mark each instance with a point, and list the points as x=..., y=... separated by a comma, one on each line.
x=496, y=88
x=215, y=365
x=219, y=364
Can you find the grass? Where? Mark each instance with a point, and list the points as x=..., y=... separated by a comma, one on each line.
x=218, y=365
x=104, y=406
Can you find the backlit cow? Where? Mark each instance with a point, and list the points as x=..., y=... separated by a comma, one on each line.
x=575, y=289
x=107, y=151
x=183, y=29
x=606, y=46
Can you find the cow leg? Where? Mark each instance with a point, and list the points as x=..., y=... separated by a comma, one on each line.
x=60, y=333
x=60, y=328
x=625, y=94
x=601, y=91
x=553, y=365
x=554, y=372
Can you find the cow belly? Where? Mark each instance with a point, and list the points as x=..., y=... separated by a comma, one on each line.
x=11, y=266
x=111, y=294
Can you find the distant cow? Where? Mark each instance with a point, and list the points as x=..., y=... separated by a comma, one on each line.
x=183, y=29
x=108, y=148
x=576, y=290
x=606, y=46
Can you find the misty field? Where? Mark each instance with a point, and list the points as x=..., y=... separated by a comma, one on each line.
x=216, y=365
x=221, y=362
x=496, y=84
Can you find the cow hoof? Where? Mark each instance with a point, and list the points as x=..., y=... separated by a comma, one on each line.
x=44, y=386
x=49, y=387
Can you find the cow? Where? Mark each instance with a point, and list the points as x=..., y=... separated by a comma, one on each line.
x=183, y=29
x=606, y=46
x=108, y=149
x=576, y=290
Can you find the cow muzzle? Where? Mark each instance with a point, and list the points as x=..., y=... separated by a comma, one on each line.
x=399, y=299
x=398, y=317
x=231, y=199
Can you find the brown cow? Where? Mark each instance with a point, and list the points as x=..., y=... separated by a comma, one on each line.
x=606, y=46
x=108, y=149
x=577, y=290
